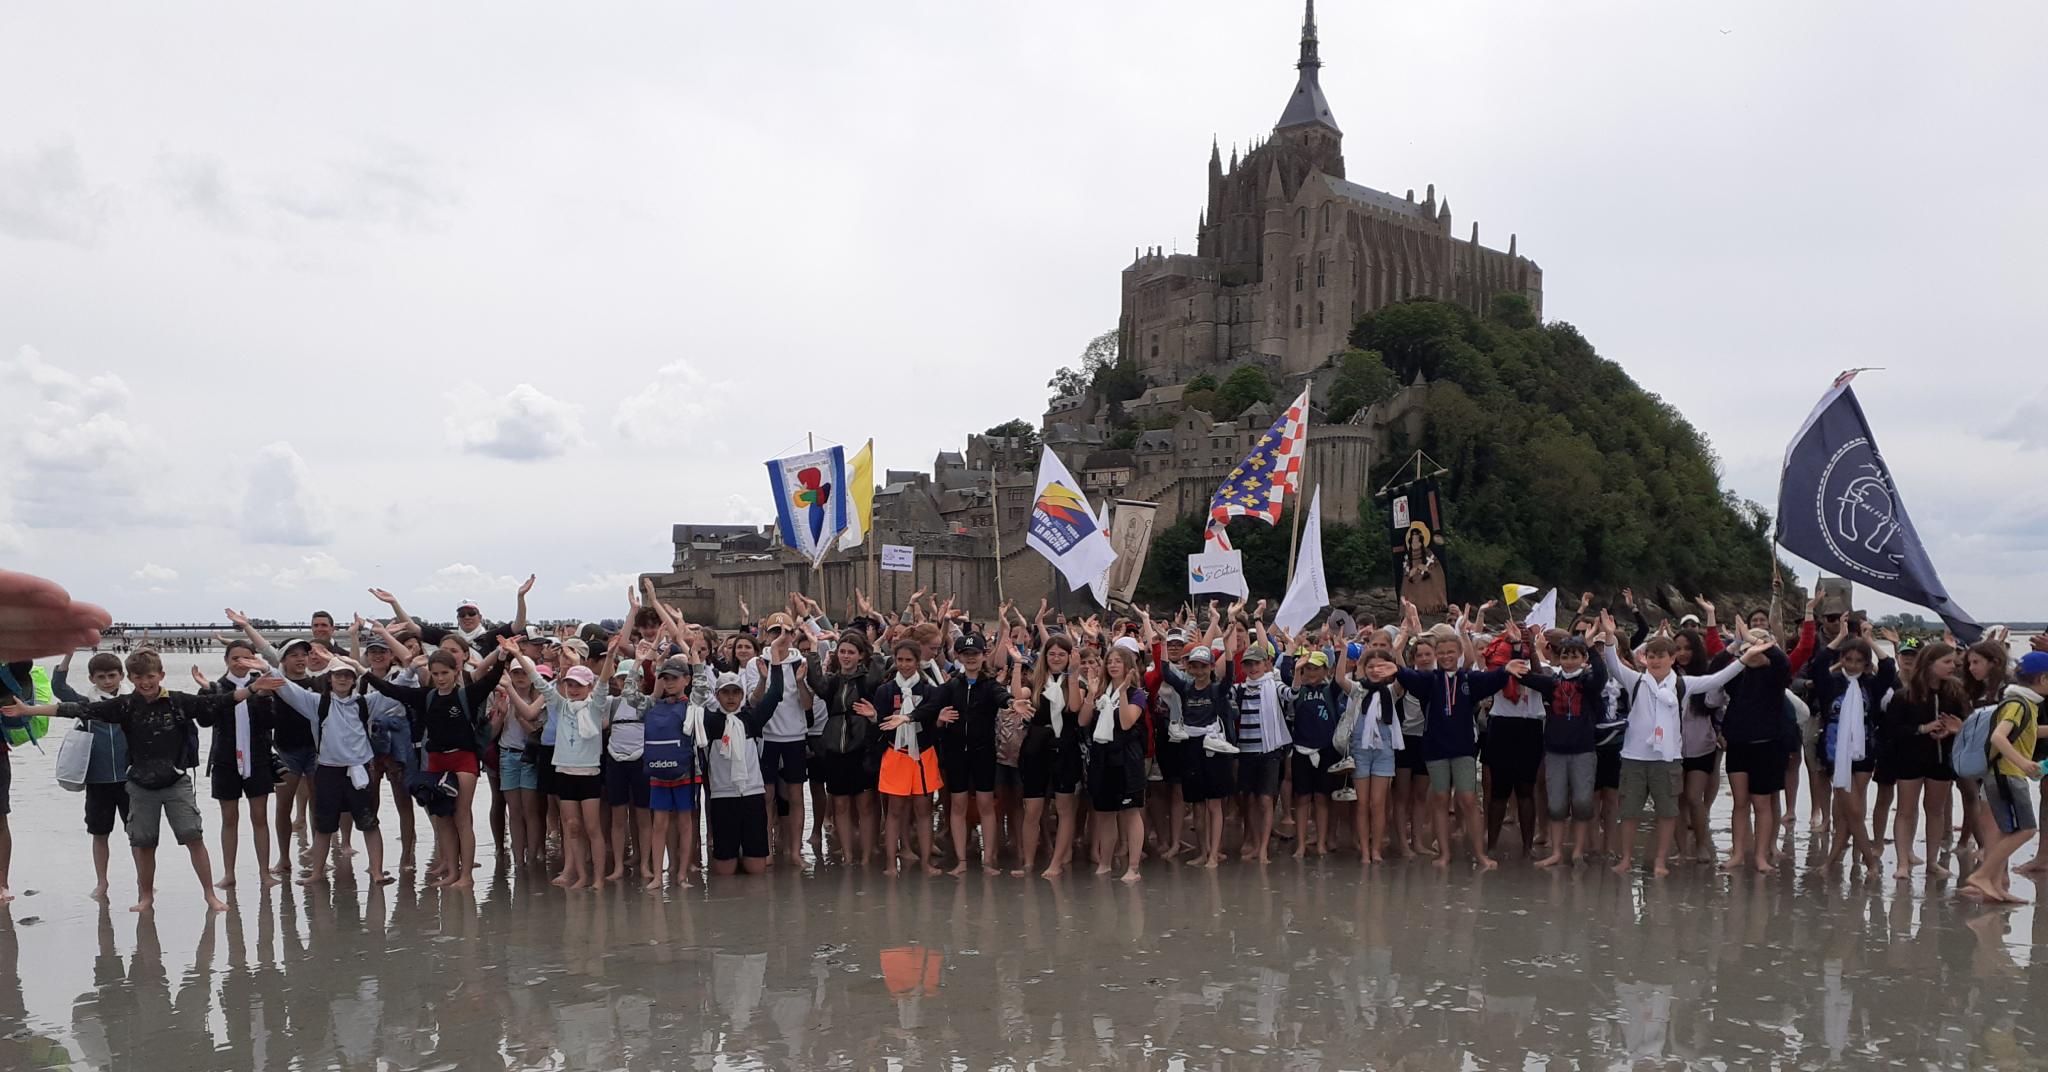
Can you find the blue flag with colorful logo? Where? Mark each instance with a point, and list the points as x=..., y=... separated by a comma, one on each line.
x=1063, y=528
x=1839, y=509
x=810, y=500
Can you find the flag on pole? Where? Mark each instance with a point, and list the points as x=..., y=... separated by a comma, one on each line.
x=810, y=500
x=1309, y=592
x=860, y=484
x=1099, y=587
x=1217, y=571
x=1545, y=614
x=1062, y=529
x=1509, y=593
x=1260, y=484
x=1838, y=509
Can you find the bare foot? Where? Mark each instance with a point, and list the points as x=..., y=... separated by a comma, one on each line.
x=1102, y=870
x=1210, y=862
x=958, y=869
x=1620, y=868
x=1660, y=870
x=271, y=879
x=2036, y=867
x=652, y=884
x=143, y=905
x=1443, y=863
x=215, y=904
x=226, y=883
x=283, y=870
x=313, y=878
x=932, y=871
x=99, y=893
x=1766, y=869
x=1051, y=872
x=386, y=878
x=562, y=879
x=987, y=870
x=579, y=884
x=1488, y=863
x=1131, y=875
x=1551, y=860
x=617, y=874
x=1020, y=872
x=1937, y=871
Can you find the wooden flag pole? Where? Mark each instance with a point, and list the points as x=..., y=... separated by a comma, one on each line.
x=995, y=527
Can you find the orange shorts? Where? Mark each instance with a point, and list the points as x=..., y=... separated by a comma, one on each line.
x=906, y=777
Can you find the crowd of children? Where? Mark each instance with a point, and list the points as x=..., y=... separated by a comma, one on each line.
x=925, y=739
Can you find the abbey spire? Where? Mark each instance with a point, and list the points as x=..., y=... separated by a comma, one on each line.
x=1307, y=107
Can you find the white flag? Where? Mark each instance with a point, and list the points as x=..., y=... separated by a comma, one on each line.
x=1099, y=587
x=1309, y=592
x=1545, y=614
x=1221, y=572
x=1062, y=529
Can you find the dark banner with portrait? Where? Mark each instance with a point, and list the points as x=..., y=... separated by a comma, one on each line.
x=1418, y=543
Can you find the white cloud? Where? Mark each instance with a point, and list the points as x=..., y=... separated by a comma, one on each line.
x=317, y=568
x=155, y=574
x=281, y=505
x=524, y=425
x=747, y=510
x=12, y=542
x=464, y=581
x=78, y=460
x=2028, y=425
x=666, y=409
x=43, y=194
x=602, y=583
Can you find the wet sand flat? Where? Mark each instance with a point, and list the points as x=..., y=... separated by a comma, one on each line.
x=1287, y=966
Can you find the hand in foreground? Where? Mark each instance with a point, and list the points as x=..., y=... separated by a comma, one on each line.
x=38, y=618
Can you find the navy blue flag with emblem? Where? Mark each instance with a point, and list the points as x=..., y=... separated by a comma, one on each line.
x=1838, y=509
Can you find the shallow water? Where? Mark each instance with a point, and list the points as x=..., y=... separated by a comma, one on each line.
x=1296, y=966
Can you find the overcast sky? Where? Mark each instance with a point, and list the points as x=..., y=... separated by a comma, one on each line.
x=296, y=299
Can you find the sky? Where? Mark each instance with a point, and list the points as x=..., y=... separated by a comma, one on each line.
x=299, y=299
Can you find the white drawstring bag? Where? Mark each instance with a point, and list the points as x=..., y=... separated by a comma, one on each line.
x=74, y=758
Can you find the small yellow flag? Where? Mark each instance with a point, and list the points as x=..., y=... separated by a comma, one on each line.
x=1509, y=593
x=860, y=474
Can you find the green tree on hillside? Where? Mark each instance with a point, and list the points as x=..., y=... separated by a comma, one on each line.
x=1246, y=384
x=1362, y=379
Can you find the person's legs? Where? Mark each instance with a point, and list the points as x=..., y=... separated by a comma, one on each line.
x=1791, y=788
x=1132, y=820
x=1936, y=796
x=1739, y=820
x=230, y=831
x=841, y=809
x=921, y=814
x=593, y=827
x=465, y=830
x=1028, y=836
x=1404, y=839
x=1907, y=823
x=893, y=809
x=991, y=833
x=1102, y=835
x=1693, y=806
x=657, y=847
x=574, y=852
x=868, y=808
x=1378, y=795
x=282, y=797
x=1557, y=773
x=956, y=821
x=1882, y=811
x=1064, y=805
x=181, y=811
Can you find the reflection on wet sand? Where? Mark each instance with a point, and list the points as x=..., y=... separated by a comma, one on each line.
x=1295, y=967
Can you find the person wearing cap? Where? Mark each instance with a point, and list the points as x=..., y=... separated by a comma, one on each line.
x=1208, y=713
x=1262, y=703
x=1317, y=705
x=577, y=704
x=910, y=768
x=1573, y=699
x=1166, y=810
x=967, y=748
x=736, y=790
x=673, y=741
x=517, y=711
x=446, y=714
x=340, y=716
x=290, y=739
x=470, y=625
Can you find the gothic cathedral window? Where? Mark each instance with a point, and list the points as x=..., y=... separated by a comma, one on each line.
x=1321, y=263
x=1301, y=221
x=1297, y=316
x=1299, y=268
x=1326, y=217
x=1319, y=312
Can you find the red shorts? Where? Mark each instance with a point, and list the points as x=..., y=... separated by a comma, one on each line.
x=455, y=762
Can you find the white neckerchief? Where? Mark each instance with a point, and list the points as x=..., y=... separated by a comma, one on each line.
x=906, y=734
x=242, y=762
x=1108, y=709
x=693, y=724
x=1056, y=702
x=732, y=722
x=1849, y=743
x=586, y=722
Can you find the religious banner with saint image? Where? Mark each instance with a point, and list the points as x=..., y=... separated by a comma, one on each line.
x=1418, y=538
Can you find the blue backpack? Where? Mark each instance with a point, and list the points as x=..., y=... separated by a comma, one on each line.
x=1971, y=756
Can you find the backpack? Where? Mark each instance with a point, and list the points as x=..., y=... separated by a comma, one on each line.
x=27, y=729
x=362, y=712
x=1972, y=754
x=1635, y=692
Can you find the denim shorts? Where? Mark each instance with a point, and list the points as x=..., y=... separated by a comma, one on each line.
x=2011, y=801
x=299, y=761
x=516, y=771
x=1372, y=763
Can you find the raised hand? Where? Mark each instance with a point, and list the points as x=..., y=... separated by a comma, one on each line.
x=199, y=678
x=948, y=716
x=237, y=617
x=1628, y=598
x=1518, y=667
x=508, y=645
x=384, y=597
x=528, y=585
x=893, y=722
x=266, y=684
x=864, y=709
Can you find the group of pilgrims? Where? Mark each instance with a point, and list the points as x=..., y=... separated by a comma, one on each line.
x=925, y=739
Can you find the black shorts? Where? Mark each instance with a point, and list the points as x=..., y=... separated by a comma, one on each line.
x=1034, y=770
x=1607, y=766
x=1410, y=758
x=576, y=788
x=1066, y=766
x=846, y=774
x=103, y=801
x=230, y=785
x=1313, y=780
x=542, y=756
x=6, y=783
x=787, y=762
x=966, y=768
x=333, y=794
x=1761, y=762
x=625, y=782
x=1172, y=759
x=1904, y=769
x=739, y=826
x=1115, y=782
x=1514, y=749
x=1258, y=773
x=1701, y=764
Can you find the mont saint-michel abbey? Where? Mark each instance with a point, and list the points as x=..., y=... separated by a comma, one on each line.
x=1288, y=252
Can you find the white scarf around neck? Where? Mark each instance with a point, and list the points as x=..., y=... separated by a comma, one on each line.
x=242, y=746
x=1849, y=744
x=1108, y=709
x=906, y=734
x=1056, y=702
